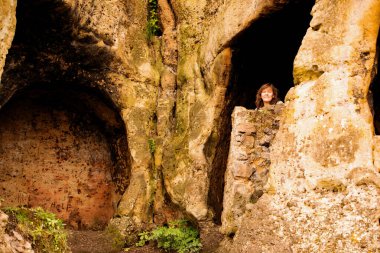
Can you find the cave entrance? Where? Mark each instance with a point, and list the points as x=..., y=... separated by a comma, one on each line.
x=64, y=150
x=63, y=142
x=262, y=53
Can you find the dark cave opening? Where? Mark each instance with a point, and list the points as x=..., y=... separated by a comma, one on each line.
x=63, y=150
x=69, y=151
x=262, y=53
x=375, y=90
x=47, y=48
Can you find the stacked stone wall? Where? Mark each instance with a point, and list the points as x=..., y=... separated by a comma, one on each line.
x=248, y=162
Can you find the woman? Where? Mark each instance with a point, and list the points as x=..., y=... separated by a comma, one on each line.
x=266, y=95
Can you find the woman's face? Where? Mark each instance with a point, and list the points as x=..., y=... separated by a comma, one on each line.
x=267, y=95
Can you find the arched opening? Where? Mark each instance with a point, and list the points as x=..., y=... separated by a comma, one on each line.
x=262, y=53
x=49, y=47
x=63, y=141
x=63, y=150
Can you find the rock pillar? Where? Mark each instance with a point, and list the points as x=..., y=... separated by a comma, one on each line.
x=248, y=161
x=323, y=191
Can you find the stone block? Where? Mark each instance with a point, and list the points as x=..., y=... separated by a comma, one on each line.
x=246, y=127
x=242, y=170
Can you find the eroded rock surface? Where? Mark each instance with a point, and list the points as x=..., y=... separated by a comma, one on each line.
x=78, y=45
x=323, y=192
x=174, y=92
x=59, y=159
x=13, y=242
x=248, y=161
x=7, y=28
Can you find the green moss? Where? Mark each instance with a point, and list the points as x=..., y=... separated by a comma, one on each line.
x=44, y=230
x=304, y=74
x=118, y=240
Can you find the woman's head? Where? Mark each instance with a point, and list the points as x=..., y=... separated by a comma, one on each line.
x=266, y=95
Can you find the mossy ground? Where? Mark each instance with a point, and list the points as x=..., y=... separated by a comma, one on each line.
x=41, y=228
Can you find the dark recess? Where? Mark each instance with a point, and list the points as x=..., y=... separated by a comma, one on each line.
x=50, y=64
x=375, y=91
x=47, y=49
x=263, y=53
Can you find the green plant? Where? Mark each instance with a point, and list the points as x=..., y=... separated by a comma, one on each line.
x=179, y=235
x=152, y=146
x=118, y=240
x=153, y=28
x=44, y=230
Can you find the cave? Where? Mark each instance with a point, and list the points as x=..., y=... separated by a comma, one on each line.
x=63, y=142
x=262, y=53
x=62, y=150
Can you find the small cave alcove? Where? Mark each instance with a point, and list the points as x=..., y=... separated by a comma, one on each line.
x=262, y=53
x=64, y=150
x=63, y=142
x=375, y=91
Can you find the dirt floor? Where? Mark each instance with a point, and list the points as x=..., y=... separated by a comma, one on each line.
x=101, y=242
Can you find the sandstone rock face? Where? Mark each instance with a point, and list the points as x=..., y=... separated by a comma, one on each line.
x=13, y=242
x=323, y=193
x=4, y=244
x=172, y=95
x=202, y=81
x=7, y=28
x=232, y=18
x=83, y=46
x=160, y=92
x=248, y=161
x=376, y=153
x=62, y=161
x=131, y=79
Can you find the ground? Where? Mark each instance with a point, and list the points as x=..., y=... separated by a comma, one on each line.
x=100, y=242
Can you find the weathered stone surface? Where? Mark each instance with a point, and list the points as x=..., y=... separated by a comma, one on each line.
x=323, y=193
x=18, y=243
x=233, y=17
x=4, y=242
x=174, y=90
x=204, y=70
x=117, y=27
x=13, y=242
x=83, y=44
x=248, y=161
x=62, y=161
x=105, y=48
x=7, y=28
x=376, y=153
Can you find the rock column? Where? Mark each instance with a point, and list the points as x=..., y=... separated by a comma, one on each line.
x=323, y=191
x=248, y=161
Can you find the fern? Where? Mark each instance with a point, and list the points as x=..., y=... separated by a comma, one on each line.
x=178, y=236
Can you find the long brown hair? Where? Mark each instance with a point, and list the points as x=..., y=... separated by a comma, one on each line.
x=259, y=102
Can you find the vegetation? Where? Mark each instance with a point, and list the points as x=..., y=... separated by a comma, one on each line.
x=45, y=231
x=153, y=28
x=178, y=235
x=152, y=146
x=118, y=240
